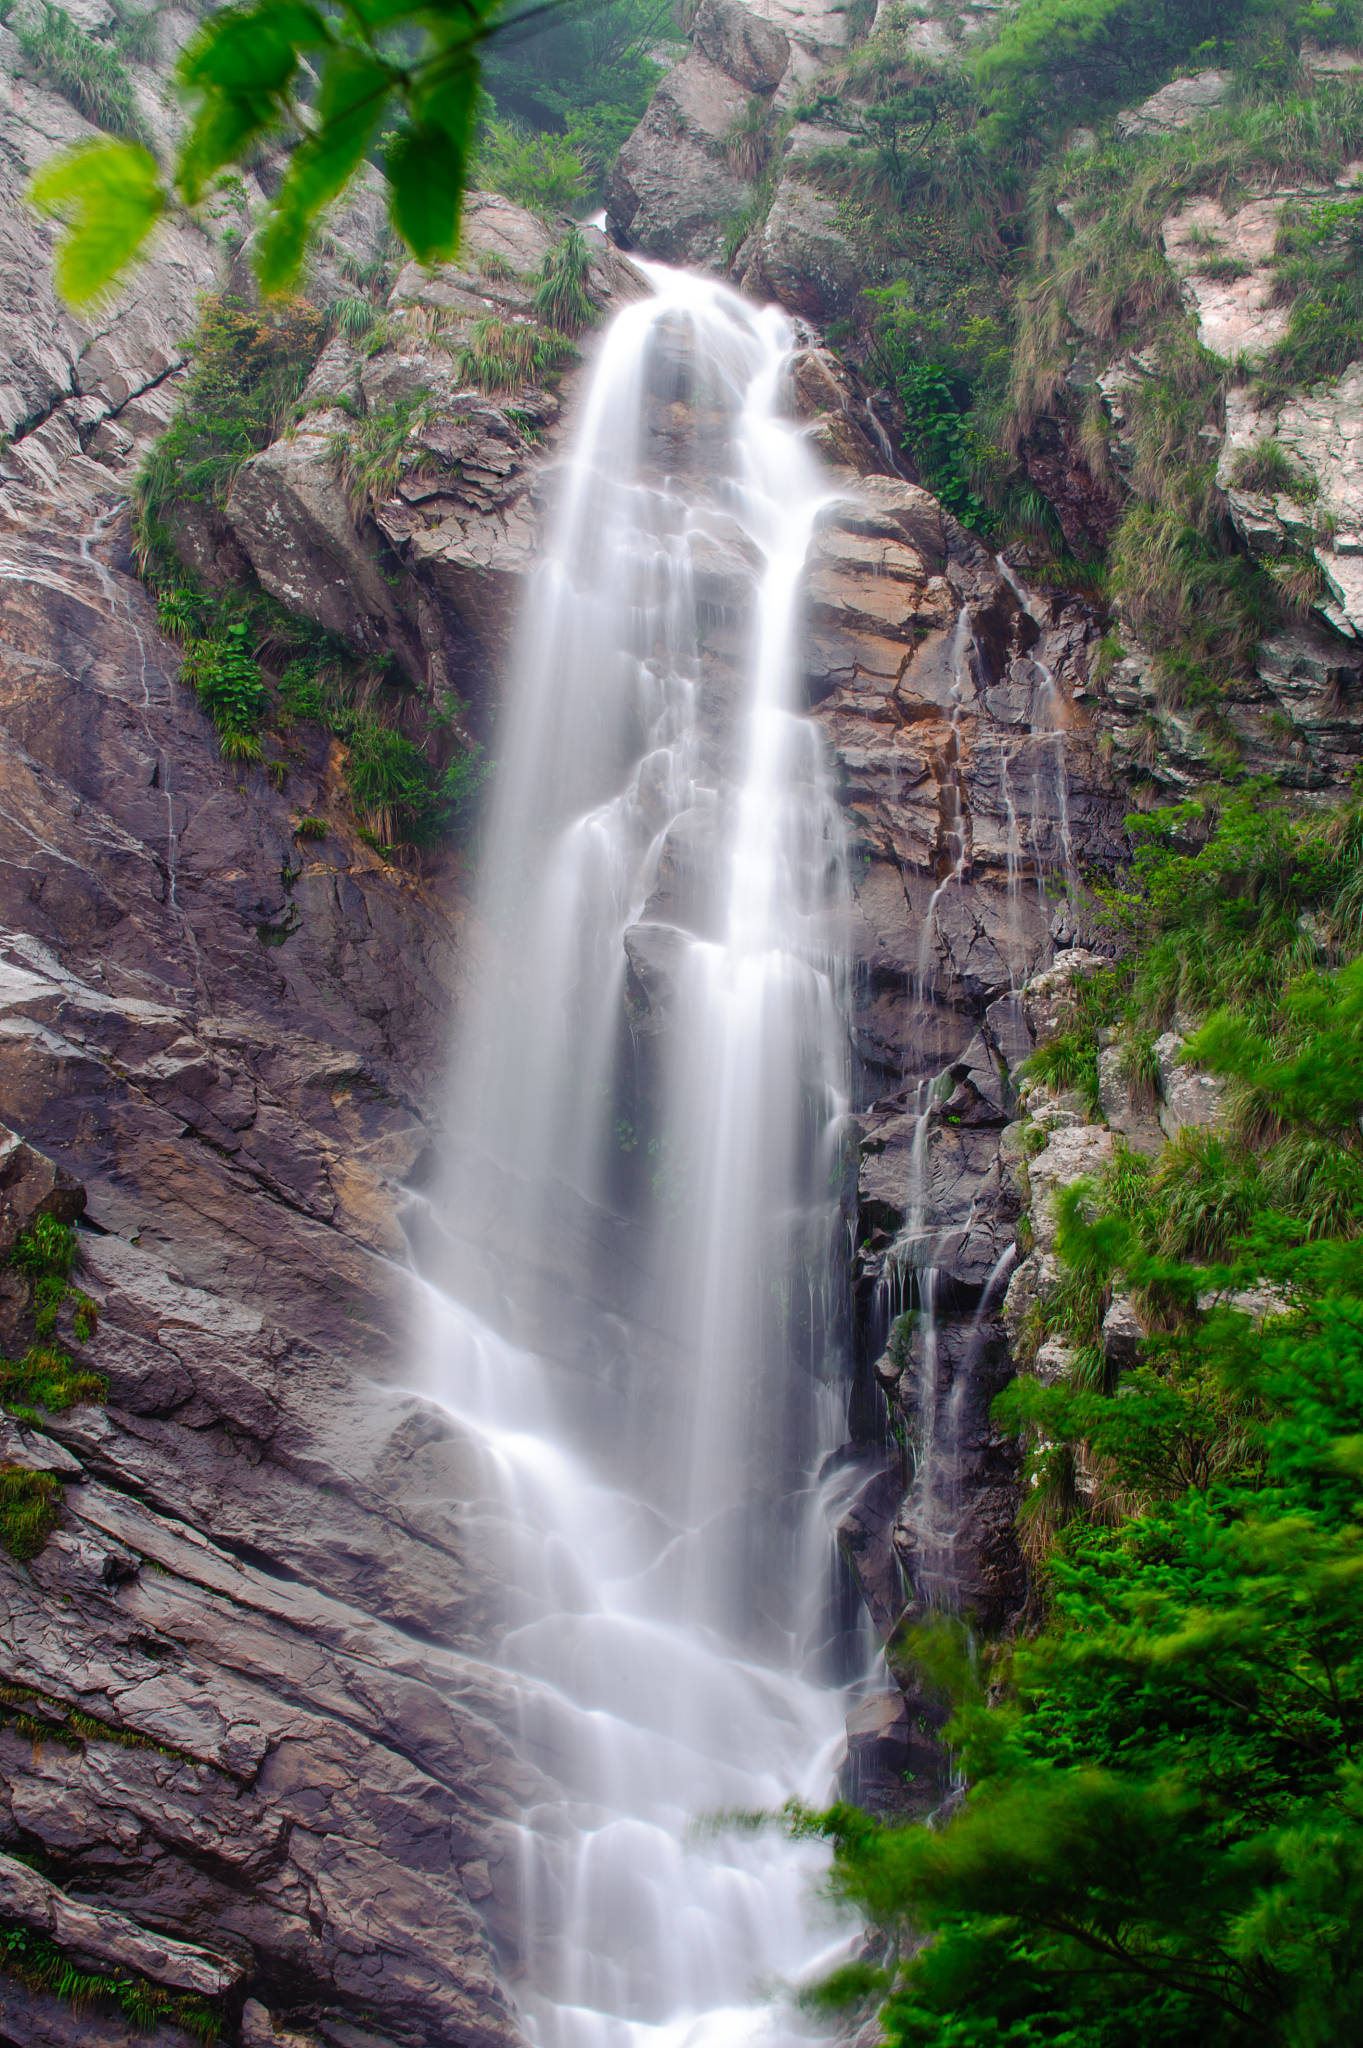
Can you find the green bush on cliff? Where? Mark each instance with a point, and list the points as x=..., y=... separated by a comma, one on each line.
x=249, y=661
x=549, y=174
x=1162, y=1839
x=87, y=72
x=249, y=368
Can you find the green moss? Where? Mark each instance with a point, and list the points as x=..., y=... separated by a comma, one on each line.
x=45, y=1377
x=42, y=1966
x=30, y=1503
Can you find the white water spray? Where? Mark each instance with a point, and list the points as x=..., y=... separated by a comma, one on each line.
x=633, y=1242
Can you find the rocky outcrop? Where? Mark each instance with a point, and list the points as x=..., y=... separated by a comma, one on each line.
x=1308, y=495
x=426, y=564
x=1176, y=105
x=251, y=1749
x=970, y=777
x=685, y=186
x=223, y=1040
x=1296, y=719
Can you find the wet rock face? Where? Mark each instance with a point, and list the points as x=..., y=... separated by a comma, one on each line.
x=219, y=1051
x=954, y=708
x=219, y=1048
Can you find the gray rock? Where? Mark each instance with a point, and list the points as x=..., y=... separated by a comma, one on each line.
x=1189, y=1098
x=104, y=1941
x=673, y=189
x=1176, y=105
x=1133, y=1118
x=804, y=256
x=1123, y=1332
x=752, y=51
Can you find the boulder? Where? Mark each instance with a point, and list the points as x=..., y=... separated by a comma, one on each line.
x=753, y=52
x=32, y=1185
x=1176, y=105
x=673, y=190
x=804, y=256
x=1189, y=1099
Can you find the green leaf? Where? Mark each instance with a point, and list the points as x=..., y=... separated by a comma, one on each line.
x=241, y=65
x=425, y=166
x=252, y=50
x=110, y=196
x=448, y=95
x=354, y=91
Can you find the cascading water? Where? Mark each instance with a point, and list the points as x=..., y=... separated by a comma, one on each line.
x=633, y=1246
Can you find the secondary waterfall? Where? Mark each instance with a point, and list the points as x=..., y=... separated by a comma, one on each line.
x=635, y=1240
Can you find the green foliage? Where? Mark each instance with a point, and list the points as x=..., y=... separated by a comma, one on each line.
x=937, y=437
x=563, y=296
x=1057, y=61
x=40, y=1964
x=137, y=34
x=250, y=367
x=353, y=316
x=30, y=1503
x=373, y=453
x=310, y=828
x=1069, y=1057
x=1068, y=1060
x=84, y=70
x=550, y=174
x=392, y=785
x=504, y=355
x=46, y=1250
x=45, y=1377
x=225, y=677
x=583, y=68
x=1268, y=468
x=1320, y=276
x=1163, y=1836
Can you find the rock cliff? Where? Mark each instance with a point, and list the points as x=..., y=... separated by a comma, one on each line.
x=254, y=1752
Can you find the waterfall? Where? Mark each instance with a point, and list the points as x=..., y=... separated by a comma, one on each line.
x=633, y=1243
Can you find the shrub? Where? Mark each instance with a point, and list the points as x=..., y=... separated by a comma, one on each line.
x=371, y=455
x=310, y=828
x=354, y=317
x=249, y=370
x=225, y=677
x=84, y=71
x=501, y=355
x=1269, y=469
x=1320, y=276
x=45, y=1377
x=548, y=173
x=563, y=298
x=137, y=35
